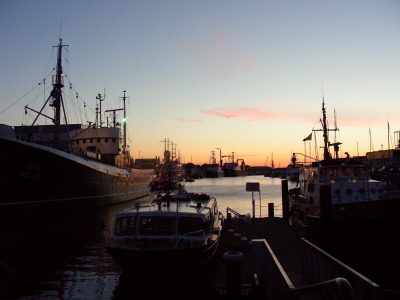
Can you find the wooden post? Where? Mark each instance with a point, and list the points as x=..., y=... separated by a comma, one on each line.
x=285, y=201
x=270, y=210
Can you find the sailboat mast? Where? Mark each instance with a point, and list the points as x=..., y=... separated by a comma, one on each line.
x=325, y=130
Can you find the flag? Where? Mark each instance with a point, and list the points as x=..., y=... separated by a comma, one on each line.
x=308, y=138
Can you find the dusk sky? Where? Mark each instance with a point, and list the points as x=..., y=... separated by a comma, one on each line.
x=244, y=76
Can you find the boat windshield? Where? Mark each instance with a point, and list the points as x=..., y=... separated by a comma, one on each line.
x=125, y=226
x=190, y=224
x=156, y=225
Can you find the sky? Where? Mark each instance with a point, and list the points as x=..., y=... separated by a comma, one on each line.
x=247, y=77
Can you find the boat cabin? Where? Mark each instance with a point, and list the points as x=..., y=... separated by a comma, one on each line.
x=349, y=181
x=179, y=220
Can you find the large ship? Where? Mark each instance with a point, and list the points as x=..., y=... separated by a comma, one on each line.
x=233, y=168
x=212, y=169
x=68, y=163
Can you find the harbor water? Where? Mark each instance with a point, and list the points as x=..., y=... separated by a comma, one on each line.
x=57, y=254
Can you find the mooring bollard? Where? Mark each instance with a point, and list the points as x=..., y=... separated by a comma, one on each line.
x=270, y=210
x=233, y=271
x=285, y=201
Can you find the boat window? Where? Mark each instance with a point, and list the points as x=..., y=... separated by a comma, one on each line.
x=323, y=173
x=91, y=140
x=156, y=226
x=106, y=140
x=77, y=142
x=125, y=226
x=346, y=171
x=190, y=224
x=333, y=172
x=98, y=140
x=84, y=141
x=357, y=171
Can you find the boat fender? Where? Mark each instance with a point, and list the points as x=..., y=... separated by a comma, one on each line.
x=337, y=192
x=349, y=191
x=361, y=191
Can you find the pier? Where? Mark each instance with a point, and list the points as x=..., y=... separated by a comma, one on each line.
x=265, y=258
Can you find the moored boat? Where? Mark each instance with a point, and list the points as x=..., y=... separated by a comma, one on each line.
x=170, y=175
x=337, y=198
x=172, y=235
x=293, y=169
x=68, y=163
x=212, y=169
x=233, y=168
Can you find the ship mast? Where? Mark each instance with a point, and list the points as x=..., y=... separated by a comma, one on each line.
x=124, y=145
x=327, y=155
x=55, y=98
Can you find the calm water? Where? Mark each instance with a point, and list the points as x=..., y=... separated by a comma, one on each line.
x=231, y=192
x=58, y=255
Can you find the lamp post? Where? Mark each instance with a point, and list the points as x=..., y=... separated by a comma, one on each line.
x=220, y=157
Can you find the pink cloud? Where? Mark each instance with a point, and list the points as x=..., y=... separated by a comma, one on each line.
x=248, y=113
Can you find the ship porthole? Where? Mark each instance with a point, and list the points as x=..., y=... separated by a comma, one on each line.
x=361, y=191
x=337, y=192
x=373, y=191
x=349, y=191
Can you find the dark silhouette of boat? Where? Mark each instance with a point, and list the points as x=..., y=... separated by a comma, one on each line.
x=337, y=201
x=68, y=164
x=174, y=235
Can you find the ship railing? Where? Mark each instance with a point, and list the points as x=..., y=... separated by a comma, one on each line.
x=322, y=285
x=239, y=223
x=273, y=277
x=235, y=213
x=338, y=288
x=319, y=266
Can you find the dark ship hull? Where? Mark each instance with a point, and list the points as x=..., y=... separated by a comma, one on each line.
x=234, y=172
x=32, y=173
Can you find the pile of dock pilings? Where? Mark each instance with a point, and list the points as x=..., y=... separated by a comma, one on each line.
x=264, y=258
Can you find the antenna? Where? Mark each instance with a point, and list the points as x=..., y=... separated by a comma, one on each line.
x=59, y=35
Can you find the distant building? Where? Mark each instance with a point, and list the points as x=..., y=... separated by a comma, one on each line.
x=384, y=158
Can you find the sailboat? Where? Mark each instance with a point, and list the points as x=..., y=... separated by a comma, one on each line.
x=68, y=164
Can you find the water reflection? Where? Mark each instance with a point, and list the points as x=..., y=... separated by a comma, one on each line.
x=56, y=254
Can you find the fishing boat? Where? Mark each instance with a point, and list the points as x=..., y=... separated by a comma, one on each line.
x=68, y=164
x=212, y=169
x=233, y=168
x=337, y=197
x=170, y=175
x=174, y=235
x=293, y=169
